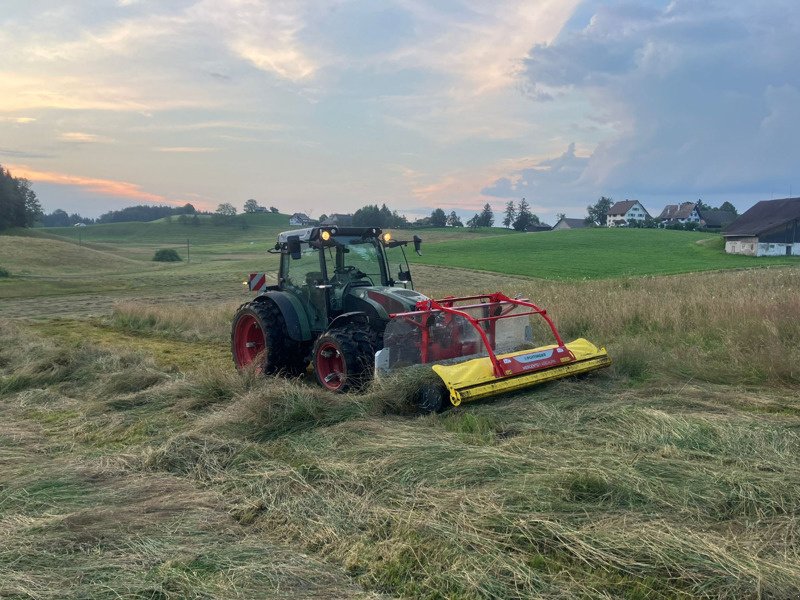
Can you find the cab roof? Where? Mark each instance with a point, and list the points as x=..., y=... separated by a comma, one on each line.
x=312, y=233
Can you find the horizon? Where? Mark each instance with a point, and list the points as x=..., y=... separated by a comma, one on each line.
x=327, y=107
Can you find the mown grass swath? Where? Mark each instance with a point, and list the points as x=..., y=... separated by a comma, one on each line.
x=675, y=474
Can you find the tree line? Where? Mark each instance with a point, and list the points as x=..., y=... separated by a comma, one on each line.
x=19, y=206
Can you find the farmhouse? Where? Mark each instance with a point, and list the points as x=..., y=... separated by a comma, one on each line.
x=622, y=213
x=300, y=219
x=770, y=228
x=565, y=223
x=686, y=212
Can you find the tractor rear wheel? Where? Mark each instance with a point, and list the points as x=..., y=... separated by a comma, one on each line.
x=343, y=358
x=259, y=334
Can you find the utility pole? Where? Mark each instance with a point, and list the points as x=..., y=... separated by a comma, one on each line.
x=188, y=256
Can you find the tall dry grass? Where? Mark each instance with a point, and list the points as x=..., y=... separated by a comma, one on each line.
x=676, y=474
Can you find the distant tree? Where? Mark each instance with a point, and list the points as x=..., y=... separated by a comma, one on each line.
x=372, y=216
x=387, y=218
x=453, y=220
x=367, y=216
x=57, y=218
x=729, y=207
x=226, y=209
x=486, y=218
x=184, y=219
x=474, y=222
x=144, y=212
x=251, y=206
x=525, y=218
x=399, y=221
x=598, y=212
x=438, y=218
x=195, y=220
x=273, y=210
x=702, y=205
x=510, y=214
x=224, y=214
x=19, y=206
x=422, y=222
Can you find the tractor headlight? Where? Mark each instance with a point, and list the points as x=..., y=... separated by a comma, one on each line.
x=387, y=237
x=326, y=235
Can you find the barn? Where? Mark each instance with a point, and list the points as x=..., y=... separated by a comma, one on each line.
x=770, y=228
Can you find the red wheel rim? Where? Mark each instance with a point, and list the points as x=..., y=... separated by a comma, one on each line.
x=248, y=340
x=330, y=366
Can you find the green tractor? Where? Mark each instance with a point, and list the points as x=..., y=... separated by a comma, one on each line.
x=334, y=296
x=339, y=306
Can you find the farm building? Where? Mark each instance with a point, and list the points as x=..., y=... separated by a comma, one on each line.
x=622, y=213
x=566, y=223
x=770, y=228
x=301, y=220
x=715, y=218
x=686, y=212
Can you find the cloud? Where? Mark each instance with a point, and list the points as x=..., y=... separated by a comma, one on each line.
x=102, y=187
x=82, y=138
x=185, y=149
x=699, y=97
x=543, y=180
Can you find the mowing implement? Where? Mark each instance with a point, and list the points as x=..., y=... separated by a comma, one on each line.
x=338, y=306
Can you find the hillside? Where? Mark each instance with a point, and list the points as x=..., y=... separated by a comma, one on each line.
x=594, y=254
x=43, y=256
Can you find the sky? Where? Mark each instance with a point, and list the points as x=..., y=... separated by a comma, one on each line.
x=322, y=106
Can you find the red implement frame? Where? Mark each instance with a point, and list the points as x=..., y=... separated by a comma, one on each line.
x=497, y=299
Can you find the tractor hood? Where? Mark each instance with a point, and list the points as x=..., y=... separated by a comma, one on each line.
x=387, y=300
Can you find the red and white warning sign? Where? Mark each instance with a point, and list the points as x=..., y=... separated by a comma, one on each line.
x=257, y=282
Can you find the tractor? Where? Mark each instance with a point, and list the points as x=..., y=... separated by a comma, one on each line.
x=339, y=305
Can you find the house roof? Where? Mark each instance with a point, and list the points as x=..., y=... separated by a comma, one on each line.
x=620, y=208
x=573, y=223
x=765, y=215
x=300, y=216
x=669, y=211
x=675, y=211
x=716, y=217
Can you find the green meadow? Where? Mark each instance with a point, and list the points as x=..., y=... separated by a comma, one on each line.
x=595, y=254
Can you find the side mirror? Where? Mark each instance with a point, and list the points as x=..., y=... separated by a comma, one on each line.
x=293, y=243
x=417, y=245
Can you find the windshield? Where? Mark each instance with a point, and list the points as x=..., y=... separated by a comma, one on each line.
x=354, y=259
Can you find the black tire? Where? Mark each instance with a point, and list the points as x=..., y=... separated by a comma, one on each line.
x=432, y=398
x=259, y=333
x=344, y=358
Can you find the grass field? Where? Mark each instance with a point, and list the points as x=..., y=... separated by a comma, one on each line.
x=595, y=254
x=136, y=463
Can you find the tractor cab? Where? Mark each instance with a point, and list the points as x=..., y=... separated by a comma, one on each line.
x=335, y=271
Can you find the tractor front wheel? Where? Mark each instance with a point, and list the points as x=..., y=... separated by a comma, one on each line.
x=343, y=359
x=258, y=334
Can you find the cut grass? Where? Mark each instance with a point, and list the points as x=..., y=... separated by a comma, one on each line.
x=646, y=481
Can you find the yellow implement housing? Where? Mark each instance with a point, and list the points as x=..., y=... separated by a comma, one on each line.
x=475, y=378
